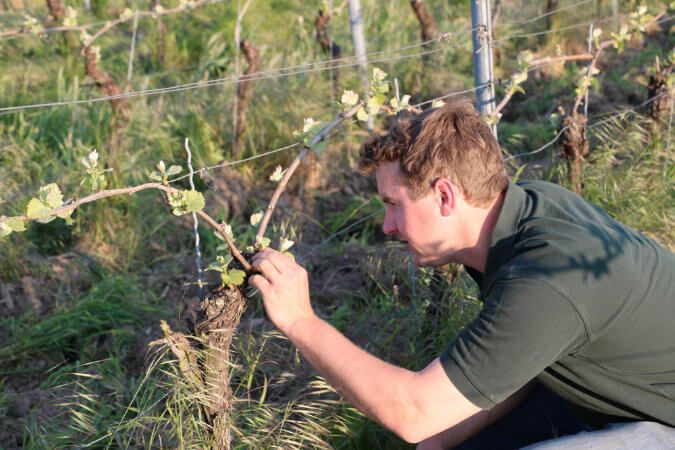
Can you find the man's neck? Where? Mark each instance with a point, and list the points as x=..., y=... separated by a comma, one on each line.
x=480, y=224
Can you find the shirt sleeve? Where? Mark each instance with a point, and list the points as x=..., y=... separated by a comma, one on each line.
x=524, y=327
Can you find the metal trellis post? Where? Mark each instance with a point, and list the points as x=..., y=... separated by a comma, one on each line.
x=482, y=57
x=359, y=41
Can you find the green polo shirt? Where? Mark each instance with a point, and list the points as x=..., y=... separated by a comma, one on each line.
x=576, y=300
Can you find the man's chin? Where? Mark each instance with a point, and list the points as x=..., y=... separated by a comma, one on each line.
x=422, y=261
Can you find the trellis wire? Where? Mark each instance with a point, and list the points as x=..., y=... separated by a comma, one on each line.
x=443, y=36
x=569, y=27
x=534, y=19
x=132, y=51
x=334, y=235
x=617, y=114
x=258, y=75
x=208, y=83
x=261, y=155
x=590, y=63
x=12, y=34
x=23, y=33
x=195, y=222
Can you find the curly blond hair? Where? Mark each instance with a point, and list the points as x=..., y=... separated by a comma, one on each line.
x=452, y=142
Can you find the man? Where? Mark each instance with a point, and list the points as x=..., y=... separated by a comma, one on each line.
x=575, y=303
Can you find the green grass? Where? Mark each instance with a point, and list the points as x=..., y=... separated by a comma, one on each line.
x=140, y=257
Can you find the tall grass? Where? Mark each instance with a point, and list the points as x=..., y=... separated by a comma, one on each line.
x=105, y=396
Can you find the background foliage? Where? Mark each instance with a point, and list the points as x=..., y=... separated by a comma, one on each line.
x=79, y=305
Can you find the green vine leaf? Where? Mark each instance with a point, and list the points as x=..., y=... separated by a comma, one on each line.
x=349, y=99
x=194, y=201
x=256, y=218
x=361, y=114
x=263, y=243
x=404, y=104
x=5, y=230
x=37, y=210
x=49, y=198
x=70, y=18
x=96, y=180
x=233, y=277
x=174, y=170
x=320, y=146
x=186, y=201
x=220, y=264
x=11, y=225
x=277, y=175
x=285, y=244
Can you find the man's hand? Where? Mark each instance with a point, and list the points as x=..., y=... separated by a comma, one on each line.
x=284, y=288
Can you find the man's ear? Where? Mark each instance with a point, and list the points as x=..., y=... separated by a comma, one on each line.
x=446, y=193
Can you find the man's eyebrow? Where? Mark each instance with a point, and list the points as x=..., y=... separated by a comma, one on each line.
x=387, y=199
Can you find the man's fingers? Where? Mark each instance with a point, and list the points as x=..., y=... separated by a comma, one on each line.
x=280, y=261
x=260, y=282
x=268, y=269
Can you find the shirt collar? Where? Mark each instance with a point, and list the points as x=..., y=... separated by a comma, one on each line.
x=503, y=235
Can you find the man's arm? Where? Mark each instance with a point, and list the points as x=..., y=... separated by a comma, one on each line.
x=413, y=405
x=461, y=432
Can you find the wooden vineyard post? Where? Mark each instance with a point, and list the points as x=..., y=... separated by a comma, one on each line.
x=103, y=81
x=245, y=92
x=56, y=10
x=328, y=46
x=660, y=109
x=428, y=31
x=426, y=19
x=120, y=105
x=161, y=37
x=16, y=5
x=575, y=146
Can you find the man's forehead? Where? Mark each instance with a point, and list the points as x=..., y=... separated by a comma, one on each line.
x=389, y=179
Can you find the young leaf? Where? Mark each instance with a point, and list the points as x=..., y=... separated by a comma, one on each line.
x=227, y=228
x=193, y=201
x=37, y=210
x=51, y=195
x=320, y=146
x=175, y=199
x=16, y=224
x=66, y=216
x=361, y=114
x=5, y=230
x=156, y=176
x=373, y=105
x=256, y=218
x=378, y=74
x=174, y=170
x=277, y=175
x=263, y=243
x=309, y=123
x=349, y=98
x=285, y=244
x=236, y=276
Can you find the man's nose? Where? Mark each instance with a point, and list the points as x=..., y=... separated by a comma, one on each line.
x=388, y=227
